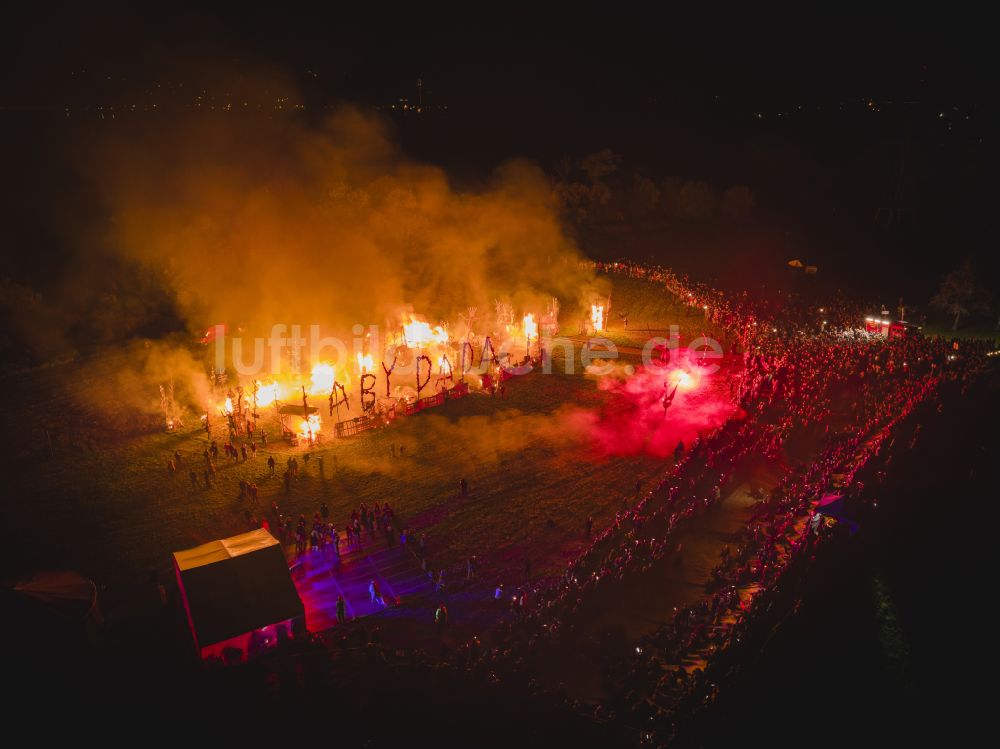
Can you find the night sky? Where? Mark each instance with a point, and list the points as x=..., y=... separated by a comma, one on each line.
x=827, y=116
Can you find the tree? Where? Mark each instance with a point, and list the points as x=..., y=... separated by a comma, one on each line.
x=670, y=196
x=644, y=196
x=580, y=187
x=599, y=165
x=961, y=293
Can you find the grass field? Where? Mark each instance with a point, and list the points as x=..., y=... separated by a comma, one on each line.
x=115, y=513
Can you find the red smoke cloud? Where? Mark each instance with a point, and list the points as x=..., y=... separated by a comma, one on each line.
x=632, y=420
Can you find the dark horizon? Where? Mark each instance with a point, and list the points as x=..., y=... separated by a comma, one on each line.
x=867, y=140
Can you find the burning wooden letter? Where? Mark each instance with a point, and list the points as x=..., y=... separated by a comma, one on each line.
x=445, y=371
x=488, y=348
x=368, y=391
x=336, y=401
x=444, y=368
x=388, y=372
x=471, y=359
x=430, y=368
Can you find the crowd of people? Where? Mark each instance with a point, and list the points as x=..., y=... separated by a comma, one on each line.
x=363, y=526
x=808, y=380
x=829, y=386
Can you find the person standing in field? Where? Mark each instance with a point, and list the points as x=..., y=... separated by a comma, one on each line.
x=441, y=616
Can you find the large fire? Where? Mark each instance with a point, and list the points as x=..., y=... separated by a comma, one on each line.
x=309, y=428
x=322, y=378
x=268, y=393
x=530, y=327
x=332, y=381
x=419, y=333
x=271, y=392
x=597, y=317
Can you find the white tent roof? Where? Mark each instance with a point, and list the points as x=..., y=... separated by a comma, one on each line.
x=223, y=549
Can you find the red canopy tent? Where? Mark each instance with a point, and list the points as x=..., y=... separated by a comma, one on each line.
x=237, y=592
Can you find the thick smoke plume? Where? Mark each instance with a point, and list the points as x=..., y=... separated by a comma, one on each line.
x=257, y=219
x=281, y=222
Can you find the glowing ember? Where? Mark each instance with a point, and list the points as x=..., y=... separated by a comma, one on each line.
x=684, y=380
x=530, y=327
x=419, y=333
x=597, y=317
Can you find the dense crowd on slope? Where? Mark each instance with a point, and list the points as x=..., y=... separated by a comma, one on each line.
x=845, y=389
x=802, y=381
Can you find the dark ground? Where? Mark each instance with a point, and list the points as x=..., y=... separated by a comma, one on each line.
x=890, y=642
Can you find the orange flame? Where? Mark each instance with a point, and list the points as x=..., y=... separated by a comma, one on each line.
x=419, y=333
x=530, y=327
x=268, y=393
x=684, y=380
x=597, y=317
x=309, y=428
x=322, y=378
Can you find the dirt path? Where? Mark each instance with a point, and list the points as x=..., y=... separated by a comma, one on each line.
x=640, y=604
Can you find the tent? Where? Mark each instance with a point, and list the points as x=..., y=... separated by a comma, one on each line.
x=835, y=506
x=52, y=620
x=234, y=587
x=68, y=594
x=61, y=604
